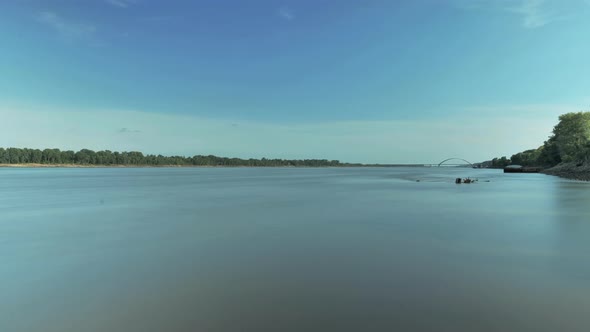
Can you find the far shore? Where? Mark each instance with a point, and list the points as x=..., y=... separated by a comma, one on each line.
x=158, y=166
x=114, y=166
x=76, y=166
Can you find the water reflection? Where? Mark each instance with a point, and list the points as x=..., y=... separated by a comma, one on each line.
x=572, y=226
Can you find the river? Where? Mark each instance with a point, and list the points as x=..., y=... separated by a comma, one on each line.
x=292, y=249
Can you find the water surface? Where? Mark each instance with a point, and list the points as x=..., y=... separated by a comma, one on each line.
x=279, y=249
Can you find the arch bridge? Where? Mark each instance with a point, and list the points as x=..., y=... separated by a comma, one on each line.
x=445, y=162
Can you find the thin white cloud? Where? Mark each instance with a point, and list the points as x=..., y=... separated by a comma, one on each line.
x=286, y=13
x=121, y=3
x=66, y=29
x=129, y=131
x=533, y=13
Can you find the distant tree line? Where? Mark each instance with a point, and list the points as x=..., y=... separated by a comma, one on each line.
x=134, y=158
x=570, y=142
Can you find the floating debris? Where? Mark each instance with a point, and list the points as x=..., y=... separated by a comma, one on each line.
x=466, y=180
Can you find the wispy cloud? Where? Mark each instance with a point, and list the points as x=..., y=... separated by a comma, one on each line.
x=67, y=29
x=533, y=13
x=128, y=131
x=286, y=13
x=121, y=3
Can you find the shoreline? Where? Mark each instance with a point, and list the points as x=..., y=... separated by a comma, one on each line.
x=156, y=166
x=570, y=171
x=85, y=166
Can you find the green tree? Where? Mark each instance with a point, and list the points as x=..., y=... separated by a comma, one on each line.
x=549, y=153
x=500, y=162
x=526, y=158
x=85, y=157
x=106, y=157
x=572, y=136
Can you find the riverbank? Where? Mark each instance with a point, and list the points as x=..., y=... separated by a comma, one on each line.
x=161, y=166
x=82, y=166
x=570, y=171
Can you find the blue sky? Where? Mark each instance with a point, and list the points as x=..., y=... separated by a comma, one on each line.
x=362, y=81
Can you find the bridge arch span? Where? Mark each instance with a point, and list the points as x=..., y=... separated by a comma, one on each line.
x=449, y=159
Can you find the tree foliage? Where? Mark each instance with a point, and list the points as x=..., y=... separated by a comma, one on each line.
x=526, y=158
x=134, y=158
x=572, y=136
x=549, y=153
x=570, y=142
x=500, y=162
